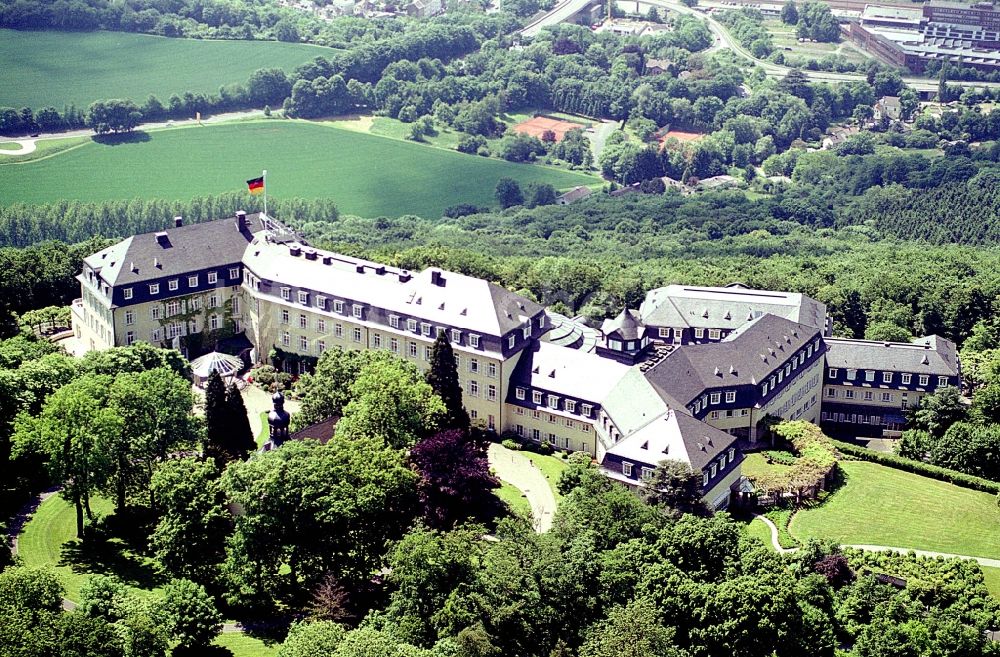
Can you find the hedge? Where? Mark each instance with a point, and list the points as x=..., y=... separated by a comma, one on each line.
x=918, y=467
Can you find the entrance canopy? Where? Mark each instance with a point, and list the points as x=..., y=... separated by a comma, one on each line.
x=224, y=364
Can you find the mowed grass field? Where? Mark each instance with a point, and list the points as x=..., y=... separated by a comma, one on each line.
x=39, y=69
x=365, y=174
x=882, y=506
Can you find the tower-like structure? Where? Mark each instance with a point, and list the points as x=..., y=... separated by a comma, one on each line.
x=278, y=420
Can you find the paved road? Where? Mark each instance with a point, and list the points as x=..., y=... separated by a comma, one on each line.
x=983, y=561
x=563, y=11
x=516, y=469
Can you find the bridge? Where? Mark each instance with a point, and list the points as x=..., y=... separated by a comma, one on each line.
x=563, y=11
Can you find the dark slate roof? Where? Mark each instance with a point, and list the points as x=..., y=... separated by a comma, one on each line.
x=511, y=308
x=321, y=431
x=748, y=356
x=930, y=355
x=626, y=326
x=177, y=251
x=674, y=435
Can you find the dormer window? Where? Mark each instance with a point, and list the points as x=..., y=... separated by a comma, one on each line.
x=173, y=284
x=127, y=293
x=942, y=381
x=411, y=325
x=541, y=321
x=338, y=306
x=713, y=334
x=357, y=311
x=425, y=328
x=526, y=331
x=394, y=321
x=212, y=277
x=474, y=341
x=304, y=298
x=456, y=336
x=626, y=468
x=586, y=410
x=699, y=333
x=154, y=288
x=234, y=272
x=571, y=406
x=553, y=401
x=286, y=293
x=511, y=340
x=730, y=396
x=520, y=393
x=715, y=397
x=536, y=397
x=321, y=302
x=192, y=281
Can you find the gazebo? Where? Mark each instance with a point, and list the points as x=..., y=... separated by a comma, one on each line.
x=224, y=364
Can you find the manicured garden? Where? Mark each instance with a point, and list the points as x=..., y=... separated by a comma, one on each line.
x=58, y=68
x=878, y=505
x=367, y=175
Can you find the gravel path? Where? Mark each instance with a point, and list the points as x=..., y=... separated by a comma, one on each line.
x=27, y=146
x=516, y=469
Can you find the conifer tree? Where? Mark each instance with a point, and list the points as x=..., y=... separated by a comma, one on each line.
x=443, y=378
x=240, y=436
x=217, y=420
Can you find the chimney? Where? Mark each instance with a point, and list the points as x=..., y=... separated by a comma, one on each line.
x=437, y=279
x=241, y=220
x=294, y=251
x=178, y=222
x=310, y=254
x=162, y=239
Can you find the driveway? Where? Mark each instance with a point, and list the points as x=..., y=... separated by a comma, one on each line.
x=516, y=469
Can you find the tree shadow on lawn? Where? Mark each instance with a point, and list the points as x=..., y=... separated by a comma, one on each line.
x=119, y=138
x=100, y=556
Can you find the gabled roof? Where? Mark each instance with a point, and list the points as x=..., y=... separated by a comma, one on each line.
x=626, y=326
x=174, y=251
x=725, y=307
x=929, y=355
x=576, y=194
x=746, y=357
x=674, y=435
x=566, y=371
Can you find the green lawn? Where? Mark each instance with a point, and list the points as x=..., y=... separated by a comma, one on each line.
x=882, y=506
x=551, y=466
x=757, y=529
x=57, y=68
x=366, y=175
x=992, y=576
x=242, y=645
x=265, y=430
x=49, y=540
x=514, y=498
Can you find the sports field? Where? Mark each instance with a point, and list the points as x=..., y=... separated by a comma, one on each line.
x=365, y=174
x=38, y=69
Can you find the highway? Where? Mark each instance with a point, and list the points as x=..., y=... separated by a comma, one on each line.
x=561, y=12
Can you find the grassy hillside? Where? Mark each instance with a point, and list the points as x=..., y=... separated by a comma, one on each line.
x=57, y=68
x=882, y=506
x=366, y=175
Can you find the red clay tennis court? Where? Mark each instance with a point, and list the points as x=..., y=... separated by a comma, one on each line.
x=539, y=124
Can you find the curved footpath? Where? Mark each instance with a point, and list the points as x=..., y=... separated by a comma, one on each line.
x=983, y=561
x=516, y=469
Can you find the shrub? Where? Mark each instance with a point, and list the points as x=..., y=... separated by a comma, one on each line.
x=918, y=467
x=268, y=378
x=510, y=444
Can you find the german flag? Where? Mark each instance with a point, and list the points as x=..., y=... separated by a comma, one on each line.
x=256, y=185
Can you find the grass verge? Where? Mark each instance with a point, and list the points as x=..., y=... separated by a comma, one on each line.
x=514, y=499
x=244, y=645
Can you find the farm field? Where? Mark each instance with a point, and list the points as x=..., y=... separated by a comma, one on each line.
x=882, y=506
x=366, y=175
x=39, y=69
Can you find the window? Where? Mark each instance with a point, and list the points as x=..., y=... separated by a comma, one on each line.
x=127, y=293
x=832, y=373
x=647, y=472
x=869, y=375
x=665, y=332
x=196, y=303
x=357, y=334
x=129, y=337
x=763, y=390
x=849, y=394
x=526, y=330
x=536, y=397
x=831, y=392
x=553, y=401
x=284, y=316
x=491, y=370
x=906, y=378
x=321, y=302
x=321, y=346
x=715, y=397
x=474, y=388
x=519, y=393
x=924, y=379
x=129, y=318
x=234, y=272
x=887, y=396
x=303, y=343
x=154, y=312
x=213, y=301
x=732, y=454
x=744, y=412
x=303, y=321
x=303, y=298
x=394, y=321
x=714, y=415
x=338, y=306
x=173, y=308
x=511, y=339
x=722, y=462
x=338, y=330
x=886, y=377
x=474, y=365
x=713, y=334
x=491, y=392
x=356, y=309
x=377, y=340
x=730, y=396
x=519, y=430
x=394, y=345
x=714, y=469
x=456, y=336
x=286, y=339
x=154, y=288
x=942, y=381
x=411, y=325
x=869, y=395
x=586, y=409
x=427, y=353
x=321, y=325
x=413, y=349
x=155, y=335
x=852, y=374
x=626, y=468
x=474, y=341
x=286, y=293
x=213, y=277
x=213, y=322
x=173, y=284
x=699, y=333
x=571, y=406
x=704, y=479
x=425, y=328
